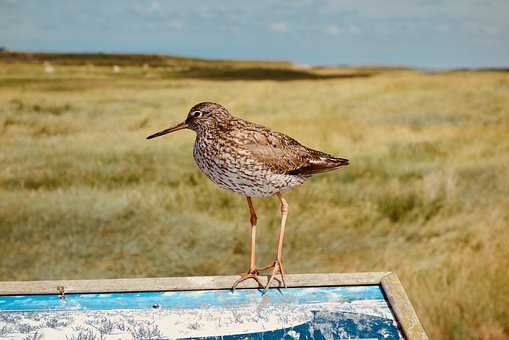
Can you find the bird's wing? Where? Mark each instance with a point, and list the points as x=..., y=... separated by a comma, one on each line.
x=284, y=154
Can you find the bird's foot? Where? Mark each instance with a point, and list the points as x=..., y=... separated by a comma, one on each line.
x=251, y=274
x=277, y=268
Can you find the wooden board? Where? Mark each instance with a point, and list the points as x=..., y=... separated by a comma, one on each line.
x=303, y=288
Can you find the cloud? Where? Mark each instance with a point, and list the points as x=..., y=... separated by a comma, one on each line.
x=279, y=27
x=176, y=24
x=338, y=30
x=332, y=30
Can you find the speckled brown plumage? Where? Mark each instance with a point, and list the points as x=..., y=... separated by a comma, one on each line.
x=251, y=160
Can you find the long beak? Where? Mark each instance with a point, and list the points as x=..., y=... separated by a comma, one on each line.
x=177, y=127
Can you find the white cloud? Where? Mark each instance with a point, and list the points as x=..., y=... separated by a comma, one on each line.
x=337, y=30
x=332, y=30
x=353, y=29
x=175, y=24
x=280, y=27
x=154, y=6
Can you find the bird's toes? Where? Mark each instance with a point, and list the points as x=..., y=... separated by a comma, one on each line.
x=246, y=276
x=277, y=268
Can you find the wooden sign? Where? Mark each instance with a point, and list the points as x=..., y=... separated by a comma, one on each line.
x=314, y=306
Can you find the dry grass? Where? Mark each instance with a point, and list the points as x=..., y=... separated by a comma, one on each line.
x=84, y=195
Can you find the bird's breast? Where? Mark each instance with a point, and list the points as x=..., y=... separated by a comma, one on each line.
x=233, y=169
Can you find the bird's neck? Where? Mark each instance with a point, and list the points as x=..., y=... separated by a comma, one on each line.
x=213, y=127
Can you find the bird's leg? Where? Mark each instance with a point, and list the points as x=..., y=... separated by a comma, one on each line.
x=252, y=272
x=277, y=265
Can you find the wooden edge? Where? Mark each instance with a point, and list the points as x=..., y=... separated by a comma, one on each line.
x=402, y=308
x=180, y=283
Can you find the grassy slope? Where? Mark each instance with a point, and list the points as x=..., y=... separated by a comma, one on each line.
x=84, y=195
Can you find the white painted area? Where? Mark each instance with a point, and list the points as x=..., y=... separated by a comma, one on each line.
x=182, y=323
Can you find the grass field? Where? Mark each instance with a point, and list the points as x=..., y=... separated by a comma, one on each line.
x=84, y=195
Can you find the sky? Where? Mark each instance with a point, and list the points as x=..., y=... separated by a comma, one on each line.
x=420, y=33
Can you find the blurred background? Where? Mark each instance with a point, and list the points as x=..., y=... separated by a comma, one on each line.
x=414, y=93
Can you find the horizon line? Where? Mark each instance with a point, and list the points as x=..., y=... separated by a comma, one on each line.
x=4, y=49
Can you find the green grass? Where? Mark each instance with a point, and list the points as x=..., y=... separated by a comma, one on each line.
x=83, y=195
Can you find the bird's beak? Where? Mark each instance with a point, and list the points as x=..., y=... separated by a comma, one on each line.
x=177, y=127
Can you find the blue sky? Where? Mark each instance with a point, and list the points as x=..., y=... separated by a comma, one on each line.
x=424, y=33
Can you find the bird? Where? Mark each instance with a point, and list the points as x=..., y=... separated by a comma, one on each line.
x=253, y=161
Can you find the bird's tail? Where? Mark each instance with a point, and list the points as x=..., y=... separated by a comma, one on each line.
x=319, y=165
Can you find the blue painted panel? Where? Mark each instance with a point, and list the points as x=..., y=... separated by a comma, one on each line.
x=359, y=312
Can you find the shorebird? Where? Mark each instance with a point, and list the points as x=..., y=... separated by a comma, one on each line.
x=253, y=161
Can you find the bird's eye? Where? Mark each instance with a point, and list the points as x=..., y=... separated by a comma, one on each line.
x=196, y=114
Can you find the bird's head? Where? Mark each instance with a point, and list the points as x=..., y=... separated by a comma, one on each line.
x=200, y=117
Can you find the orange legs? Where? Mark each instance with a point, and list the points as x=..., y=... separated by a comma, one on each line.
x=252, y=272
x=277, y=264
